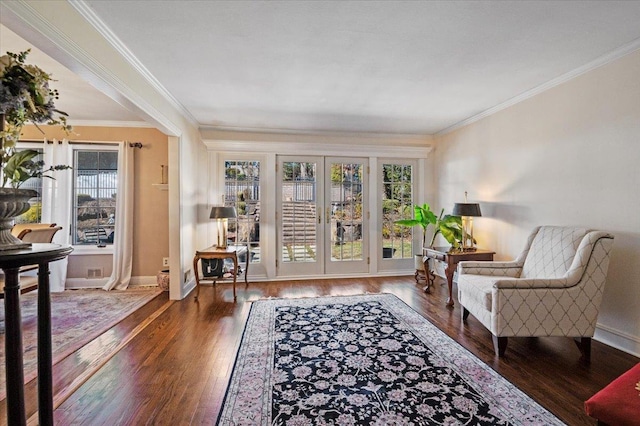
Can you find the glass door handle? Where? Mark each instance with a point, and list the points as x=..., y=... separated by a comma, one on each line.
x=319, y=215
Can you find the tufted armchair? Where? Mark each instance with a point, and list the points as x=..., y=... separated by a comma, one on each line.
x=553, y=288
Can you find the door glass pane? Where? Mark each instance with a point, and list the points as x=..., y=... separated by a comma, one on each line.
x=242, y=191
x=346, y=212
x=299, y=211
x=397, y=203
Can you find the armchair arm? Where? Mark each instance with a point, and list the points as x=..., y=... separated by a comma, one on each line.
x=535, y=283
x=498, y=269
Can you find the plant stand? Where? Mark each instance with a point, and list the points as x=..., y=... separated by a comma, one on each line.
x=423, y=272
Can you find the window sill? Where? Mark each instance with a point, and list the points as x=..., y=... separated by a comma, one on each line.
x=91, y=250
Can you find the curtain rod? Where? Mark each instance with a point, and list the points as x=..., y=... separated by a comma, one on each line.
x=131, y=144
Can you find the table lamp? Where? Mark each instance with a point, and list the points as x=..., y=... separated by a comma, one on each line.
x=467, y=211
x=222, y=215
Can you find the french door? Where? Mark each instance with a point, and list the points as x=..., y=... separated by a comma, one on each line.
x=322, y=205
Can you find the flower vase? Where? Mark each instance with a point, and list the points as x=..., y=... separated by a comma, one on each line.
x=13, y=202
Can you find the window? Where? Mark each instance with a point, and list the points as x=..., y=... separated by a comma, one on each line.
x=242, y=191
x=397, y=203
x=95, y=178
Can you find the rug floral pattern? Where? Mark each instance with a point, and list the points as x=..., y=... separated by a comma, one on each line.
x=363, y=360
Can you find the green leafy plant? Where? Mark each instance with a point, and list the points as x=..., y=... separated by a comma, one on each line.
x=448, y=225
x=451, y=229
x=20, y=167
x=423, y=217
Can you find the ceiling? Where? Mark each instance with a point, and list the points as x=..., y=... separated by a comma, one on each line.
x=404, y=67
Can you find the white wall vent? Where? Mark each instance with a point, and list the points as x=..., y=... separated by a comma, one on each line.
x=94, y=273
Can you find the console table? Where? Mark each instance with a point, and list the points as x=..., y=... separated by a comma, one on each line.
x=451, y=257
x=10, y=263
x=213, y=252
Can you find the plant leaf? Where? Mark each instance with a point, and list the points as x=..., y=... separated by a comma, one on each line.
x=407, y=222
x=15, y=166
x=425, y=214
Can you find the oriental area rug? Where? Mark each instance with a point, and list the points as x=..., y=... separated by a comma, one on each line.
x=363, y=360
x=77, y=317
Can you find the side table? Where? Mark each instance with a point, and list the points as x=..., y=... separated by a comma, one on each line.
x=451, y=258
x=10, y=262
x=213, y=252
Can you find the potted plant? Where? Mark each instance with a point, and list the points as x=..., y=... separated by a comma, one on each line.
x=448, y=225
x=423, y=217
x=25, y=97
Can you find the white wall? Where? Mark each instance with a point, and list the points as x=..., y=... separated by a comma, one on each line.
x=193, y=205
x=568, y=156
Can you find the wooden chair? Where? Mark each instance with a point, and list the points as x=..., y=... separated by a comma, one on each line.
x=40, y=234
x=19, y=229
x=34, y=234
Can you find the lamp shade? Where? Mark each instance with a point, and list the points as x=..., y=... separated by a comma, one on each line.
x=221, y=212
x=466, y=209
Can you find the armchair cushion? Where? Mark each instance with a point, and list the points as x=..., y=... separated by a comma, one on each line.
x=552, y=251
x=480, y=289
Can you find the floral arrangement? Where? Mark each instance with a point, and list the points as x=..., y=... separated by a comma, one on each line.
x=25, y=96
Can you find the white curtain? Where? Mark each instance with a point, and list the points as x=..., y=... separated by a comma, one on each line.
x=56, y=204
x=123, y=240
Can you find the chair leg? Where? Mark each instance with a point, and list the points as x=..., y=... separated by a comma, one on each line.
x=465, y=313
x=584, y=344
x=499, y=345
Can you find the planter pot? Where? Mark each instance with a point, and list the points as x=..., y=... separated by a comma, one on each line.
x=13, y=202
x=418, y=263
x=163, y=279
x=242, y=257
x=387, y=252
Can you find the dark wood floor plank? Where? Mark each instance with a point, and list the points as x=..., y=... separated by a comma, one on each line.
x=176, y=370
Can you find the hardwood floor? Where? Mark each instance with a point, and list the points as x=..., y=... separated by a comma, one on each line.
x=176, y=369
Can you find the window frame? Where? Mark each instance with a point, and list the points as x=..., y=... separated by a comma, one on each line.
x=393, y=263
x=236, y=203
x=105, y=245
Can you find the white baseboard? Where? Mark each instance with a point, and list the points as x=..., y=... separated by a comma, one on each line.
x=143, y=281
x=189, y=287
x=85, y=283
x=618, y=339
x=79, y=283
